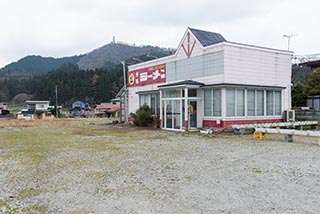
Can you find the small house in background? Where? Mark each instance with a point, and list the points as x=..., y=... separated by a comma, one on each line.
x=4, y=110
x=36, y=109
x=80, y=105
x=107, y=110
x=116, y=101
x=3, y=106
x=80, y=108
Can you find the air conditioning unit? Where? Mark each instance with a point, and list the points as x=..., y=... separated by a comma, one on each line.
x=289, y=116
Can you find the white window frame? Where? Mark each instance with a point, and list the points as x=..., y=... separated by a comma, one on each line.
x=149, y=102
x=235, y=103
x=211, y=103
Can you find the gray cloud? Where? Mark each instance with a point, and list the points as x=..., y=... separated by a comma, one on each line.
x=67, y=27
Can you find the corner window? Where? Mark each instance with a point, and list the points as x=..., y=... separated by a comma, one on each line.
x=151, y=100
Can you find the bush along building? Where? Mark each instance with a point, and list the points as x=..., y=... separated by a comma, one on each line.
x=211, y=82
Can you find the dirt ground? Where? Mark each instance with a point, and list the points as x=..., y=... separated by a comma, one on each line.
x=90, y=167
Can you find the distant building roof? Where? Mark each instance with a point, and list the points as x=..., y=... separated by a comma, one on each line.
x=207, y=38
x=37, y=102
x=109, y=108
x=312, y=64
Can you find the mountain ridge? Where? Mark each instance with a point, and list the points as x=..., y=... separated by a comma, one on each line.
x=35, y=64
x=102, y=57
x=116, y=52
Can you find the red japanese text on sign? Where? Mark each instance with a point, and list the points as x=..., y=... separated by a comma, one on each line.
x=146, y=76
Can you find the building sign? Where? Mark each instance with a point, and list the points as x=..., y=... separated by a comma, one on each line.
x=146, y=76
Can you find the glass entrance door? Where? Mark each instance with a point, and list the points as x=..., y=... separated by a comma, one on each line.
x=172, y=114
x=192, y=113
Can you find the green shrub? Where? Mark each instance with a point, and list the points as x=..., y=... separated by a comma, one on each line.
x=142, y=117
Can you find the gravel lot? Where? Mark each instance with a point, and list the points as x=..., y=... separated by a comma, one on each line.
x=101, y=169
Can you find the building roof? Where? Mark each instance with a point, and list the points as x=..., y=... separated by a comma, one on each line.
x=37, y=101
x=207, y=38
x=182, y=83
x=312, y=64
x=109, y=108
x=148, y=92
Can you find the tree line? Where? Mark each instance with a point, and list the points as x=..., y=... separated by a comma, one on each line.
x=308, y=85
x=95, y=86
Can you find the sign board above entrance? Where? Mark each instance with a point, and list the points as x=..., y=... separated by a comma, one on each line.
x=146, y=76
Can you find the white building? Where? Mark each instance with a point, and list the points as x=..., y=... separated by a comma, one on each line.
x=37, y=105
x=211, y=82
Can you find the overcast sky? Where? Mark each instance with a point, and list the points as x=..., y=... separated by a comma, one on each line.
x=70, y=27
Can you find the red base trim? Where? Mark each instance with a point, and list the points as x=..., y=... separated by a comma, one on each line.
x=227, y=124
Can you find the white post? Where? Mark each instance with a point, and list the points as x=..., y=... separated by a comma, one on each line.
x=56, y=101
x=125, y=104
x=186, y=110
x=161, y=110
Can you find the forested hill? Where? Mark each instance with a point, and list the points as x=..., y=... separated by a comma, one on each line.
x=33, y=65
x=96, y=86
x=114, y=53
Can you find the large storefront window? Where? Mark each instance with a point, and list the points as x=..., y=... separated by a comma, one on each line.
x=260, y=103
x=273, y=103
x=251, y=102
x=235, y=102
x=255, y=103
x=152, y=100
x=212, y=102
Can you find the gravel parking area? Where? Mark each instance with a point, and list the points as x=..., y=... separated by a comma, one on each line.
x=101, y=169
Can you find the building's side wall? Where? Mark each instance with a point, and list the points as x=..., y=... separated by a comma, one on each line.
x=248, y=65
x=256, y=67
x=42, y=106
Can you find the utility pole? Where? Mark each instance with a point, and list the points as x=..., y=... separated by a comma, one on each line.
x=289, y=38
x=56, y=101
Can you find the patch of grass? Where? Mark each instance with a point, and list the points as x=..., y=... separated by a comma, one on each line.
x=7, y=209
x=257, y=170
x=82, y=211
x=27, y=193
x=36, y=209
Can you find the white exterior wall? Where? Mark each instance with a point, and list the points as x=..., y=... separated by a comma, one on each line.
x=258, y=66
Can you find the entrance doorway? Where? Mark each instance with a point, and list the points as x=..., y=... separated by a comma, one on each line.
x=192, y=113
x=179, y=105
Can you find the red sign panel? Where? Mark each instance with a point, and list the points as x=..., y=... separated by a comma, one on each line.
x=146, y=76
